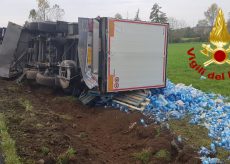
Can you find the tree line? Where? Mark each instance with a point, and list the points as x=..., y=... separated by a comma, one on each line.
x=202, y=29
x=46, y=12
x=179, y=31
x=156, y=15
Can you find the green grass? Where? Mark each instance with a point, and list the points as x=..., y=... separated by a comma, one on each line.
x=178, y=70
x=190, y=39
x=13, y=88
x=66, y=156
x=163, y=154
x=196, y=136
x=7, y=144
x=27, y=105
x=143, y=156
x=45, y=150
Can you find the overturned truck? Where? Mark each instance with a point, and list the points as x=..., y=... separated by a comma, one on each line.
x=92, y=58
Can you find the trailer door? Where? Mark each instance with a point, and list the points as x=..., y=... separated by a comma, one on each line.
x=136, y=55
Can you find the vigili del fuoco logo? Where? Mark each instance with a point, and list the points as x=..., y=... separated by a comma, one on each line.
x=217, y=52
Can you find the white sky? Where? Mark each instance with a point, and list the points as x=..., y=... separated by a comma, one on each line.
x=191, y=11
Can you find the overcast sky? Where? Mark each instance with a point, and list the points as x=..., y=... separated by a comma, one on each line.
x=189, y=10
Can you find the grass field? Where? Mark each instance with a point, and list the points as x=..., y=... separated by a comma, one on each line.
x=178, y=70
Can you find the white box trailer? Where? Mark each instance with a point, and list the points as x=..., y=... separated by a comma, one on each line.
x=136, y=55
x=131, y=54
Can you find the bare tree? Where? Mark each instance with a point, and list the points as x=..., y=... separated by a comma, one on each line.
x=157, y=15
x=183, y=24
x=228, y=23
x=173, y=23
x=118, y=16
x=56, y=13
x=44, y=12
x=33, y=15
x=211, y=14
x=137, y=18
x=202, y=23
x=176, y=24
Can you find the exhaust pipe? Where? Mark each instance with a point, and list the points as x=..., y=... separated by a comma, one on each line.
x=45, y=80
x=31, y=74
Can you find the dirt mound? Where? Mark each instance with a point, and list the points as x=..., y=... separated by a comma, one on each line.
x=49, y=127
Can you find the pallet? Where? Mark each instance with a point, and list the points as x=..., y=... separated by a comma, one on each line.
x=134, y=100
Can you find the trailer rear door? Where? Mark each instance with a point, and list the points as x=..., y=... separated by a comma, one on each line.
x=136, y=55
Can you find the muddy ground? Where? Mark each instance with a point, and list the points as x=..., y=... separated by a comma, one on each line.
x=50, y=127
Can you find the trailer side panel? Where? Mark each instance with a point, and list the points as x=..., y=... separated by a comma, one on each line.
x=136, y=56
